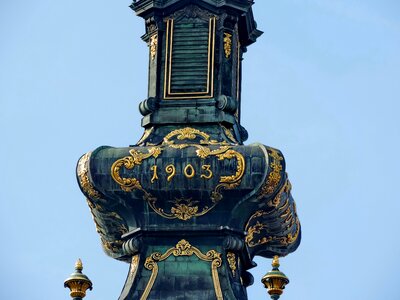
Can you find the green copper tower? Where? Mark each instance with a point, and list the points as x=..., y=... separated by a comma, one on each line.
x=189, y=206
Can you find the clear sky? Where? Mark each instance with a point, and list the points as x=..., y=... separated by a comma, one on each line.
x=322, y=84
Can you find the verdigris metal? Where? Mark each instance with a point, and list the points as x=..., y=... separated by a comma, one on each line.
x=189, y=206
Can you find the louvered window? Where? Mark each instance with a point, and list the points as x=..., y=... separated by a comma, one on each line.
x=189, y=58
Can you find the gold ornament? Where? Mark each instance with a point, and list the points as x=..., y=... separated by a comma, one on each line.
x=275, y=281
x=78, y=283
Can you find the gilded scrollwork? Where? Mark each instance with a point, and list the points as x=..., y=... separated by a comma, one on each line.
x=231, y=258
x=129, y=162
x=82, y=171
x=229, y=134
x=183, y=248
x=274, y=177
x=258, y=228
x=180, y=210
x=111, y=232
x=276, y=201
x=291, y=237
x=189, y=133
x=134, y=266
x=282, y=208
x=153, y=46
x=186, y=211
x=227, y=44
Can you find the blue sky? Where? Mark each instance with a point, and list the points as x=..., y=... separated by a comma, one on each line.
x=322, y=84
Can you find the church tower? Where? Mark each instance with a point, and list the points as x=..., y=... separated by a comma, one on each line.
x=189, y=205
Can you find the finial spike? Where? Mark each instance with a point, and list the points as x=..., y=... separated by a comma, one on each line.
x=79, y=265
x=275, y=262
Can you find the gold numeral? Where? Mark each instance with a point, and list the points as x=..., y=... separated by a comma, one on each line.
x=155, y=176
x=170, y=169
x=208, y=170
x=189, y=171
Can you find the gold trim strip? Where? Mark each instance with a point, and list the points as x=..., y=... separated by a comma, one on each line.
x=166, y=55
x=238, y=80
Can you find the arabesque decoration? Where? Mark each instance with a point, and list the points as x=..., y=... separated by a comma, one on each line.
x=116, y=226
x=274, y=176
x=180, y=210
x=260, y=233
x=183, y=248
x=82, y=171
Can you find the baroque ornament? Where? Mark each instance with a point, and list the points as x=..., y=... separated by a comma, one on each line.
x=274, y=176
x=180, y=210
x=227, y=44
x=116, y=226
x=153, y=46
x=192, y=11
x=231, y=257
x=183, y=248
x=260, y=233
x=82, y=171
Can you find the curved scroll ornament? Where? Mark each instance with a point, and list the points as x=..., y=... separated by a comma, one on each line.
x=229, y=134
x=84, y=182
x=231, y=258
x=189, y=133
x=182, y=209
x=274, y=177
x=110, y=234
x=183, y=248
x=129, y=162
x=259, y=233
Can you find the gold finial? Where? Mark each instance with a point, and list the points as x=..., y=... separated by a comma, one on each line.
x=275, y=262
x=78, y=265
x=275, y=281
x=78, y=283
